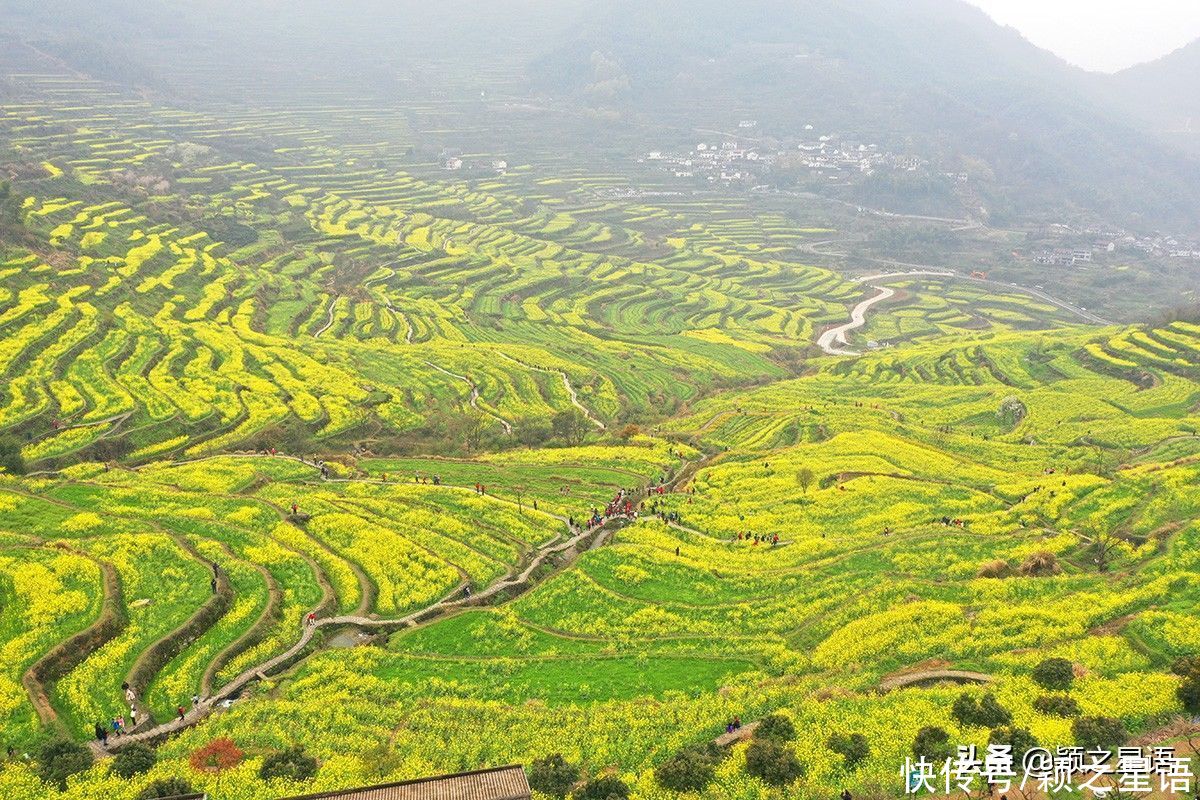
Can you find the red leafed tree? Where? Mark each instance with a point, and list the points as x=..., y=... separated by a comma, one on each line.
x=216, y=756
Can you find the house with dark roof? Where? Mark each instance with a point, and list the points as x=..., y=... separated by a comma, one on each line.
x=498, y=783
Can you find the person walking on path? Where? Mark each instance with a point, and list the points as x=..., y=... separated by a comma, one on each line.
x=101, y=735
x=179, y=710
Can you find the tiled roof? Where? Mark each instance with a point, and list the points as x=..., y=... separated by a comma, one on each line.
x=500, y=783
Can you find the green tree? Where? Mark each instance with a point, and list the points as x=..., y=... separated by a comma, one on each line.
x=984, y=713
x=805, y=478
x=11, y=460
x=686, y=771
x=1057, y=705
x=607, y=787
x=964, y=709
x=852, y=747
x=1055, y=674
x=772, y=762
x=932, y=743
x=1102, y=733
x=60, y=759
x=292, y=764
x=991, y=714
x=1019, y=739
x=1188, y=692
x=691, y=769
x=134, y=759
x=166, y=787
x=776, y=728
x=553, y=775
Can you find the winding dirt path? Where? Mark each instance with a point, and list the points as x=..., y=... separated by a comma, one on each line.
x=474, y=400
x=329, y=322
x=925, y=676
x=587, y=412
x=1082, y=313
x=833, y=341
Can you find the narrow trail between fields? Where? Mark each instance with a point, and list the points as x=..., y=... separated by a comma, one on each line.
x=566, y=384
x=474, y=399
x=833, y=341
x=571, y=548
x=932, y=676
x=408, y=326
x=1082, y=313
x=329, y=322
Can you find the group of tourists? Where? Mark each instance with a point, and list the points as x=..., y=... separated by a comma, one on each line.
x=117, y=724
x=435, y=480
x=757, y=539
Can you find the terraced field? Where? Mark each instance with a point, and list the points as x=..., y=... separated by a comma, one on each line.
x=260, y=364
x=154, y=304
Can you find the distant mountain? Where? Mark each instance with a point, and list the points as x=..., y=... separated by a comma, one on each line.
x=1166, y=93
x=937, y=75
x=938, y=78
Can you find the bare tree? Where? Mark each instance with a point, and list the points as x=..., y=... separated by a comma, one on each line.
x=473, y=430
x=1106, y=547
x=570, y=426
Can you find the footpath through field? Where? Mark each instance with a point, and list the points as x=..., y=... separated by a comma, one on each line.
x=581, y=540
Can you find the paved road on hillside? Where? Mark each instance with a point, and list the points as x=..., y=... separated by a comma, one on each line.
x=834, y=342
x=1082, y=313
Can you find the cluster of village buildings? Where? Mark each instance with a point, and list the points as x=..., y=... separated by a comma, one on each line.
x=1111, y=240
x=455, y=163
x=737, y=158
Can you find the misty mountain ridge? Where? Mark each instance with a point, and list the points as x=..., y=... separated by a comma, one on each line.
x=1165, y=94
x=1039, y=138
x=938, y=75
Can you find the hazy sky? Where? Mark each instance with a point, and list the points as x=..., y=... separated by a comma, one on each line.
x=1103, y=35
